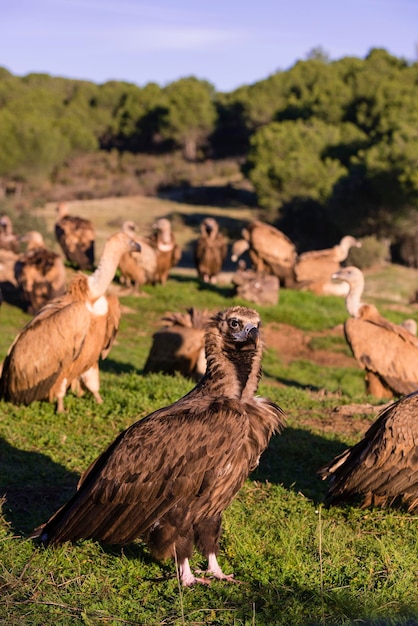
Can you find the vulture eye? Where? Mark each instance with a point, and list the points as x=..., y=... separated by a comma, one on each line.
x=234, y=324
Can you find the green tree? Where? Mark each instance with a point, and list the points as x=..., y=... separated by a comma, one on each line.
x=287, y=161
x=190, y=115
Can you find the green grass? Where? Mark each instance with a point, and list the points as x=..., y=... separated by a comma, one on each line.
x=298, y=563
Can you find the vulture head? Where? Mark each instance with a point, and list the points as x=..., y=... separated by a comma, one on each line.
x=209, y=226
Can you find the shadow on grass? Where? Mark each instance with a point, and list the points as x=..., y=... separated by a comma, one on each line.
x=33, y=485
x=293, y=459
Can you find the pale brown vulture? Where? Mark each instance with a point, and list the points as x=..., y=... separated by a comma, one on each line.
x=8, y=239
x=179, y=346
x=39, y=272
x=269, y=249
x=76, y=236
x=66, y=338
x=168, y=252
x=382, y=468
x=138, y=268
x=210, y=250
x=387, y=351
x=314, y=269
x=169, y=477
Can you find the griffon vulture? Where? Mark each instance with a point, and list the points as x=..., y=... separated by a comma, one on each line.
x=8, y=239
x=180, y=345
x=40, y=273
x=270, y=251
x=168, y=252
x=387, y=351
x=76, y=236
x=382, y=468
x=210, y=250
x=138, y=268
x=66, y=338
x=169, y=477
x=314, y=269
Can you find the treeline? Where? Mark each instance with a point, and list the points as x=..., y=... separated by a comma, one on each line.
x=330, y=147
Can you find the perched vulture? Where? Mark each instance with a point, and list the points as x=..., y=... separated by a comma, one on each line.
x=387, y=351
x=180, y=345
x=382, y=468
x=66, y=338
x=8, y=239
x=269, y=249
x=76, y=236
x=210, y=250
x=168, y=252
x=169, y=477
x=39, y=272
x=314, y=269
x=138, y=268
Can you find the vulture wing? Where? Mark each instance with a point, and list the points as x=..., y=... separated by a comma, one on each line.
x=271, y=244
x=316, y=265
x=112, y=324
x=30, y=368
x=383, y=466
x=170, y=460
x=386, y=349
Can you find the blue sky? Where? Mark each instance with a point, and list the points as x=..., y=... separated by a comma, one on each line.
x=227, y=42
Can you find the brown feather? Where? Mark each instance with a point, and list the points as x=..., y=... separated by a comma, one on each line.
x=270, y=251
x=167, y=251
x=169, y=477
x=77, y=329
x=76, y=236
x=314, y=269
x=382, y=468
x=138, y=268
x=40, y=273
x=210, y=250
x=386, y=351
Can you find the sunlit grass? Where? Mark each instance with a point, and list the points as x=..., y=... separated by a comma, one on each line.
x=298, y=563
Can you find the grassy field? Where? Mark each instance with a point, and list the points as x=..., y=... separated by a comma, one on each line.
x=298, y=562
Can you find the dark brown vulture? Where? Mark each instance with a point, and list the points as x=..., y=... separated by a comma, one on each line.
x=39, y=272
x=382, y=468
x=270, y=251
x=168, y=252
x=210, y=251
x=314, y=269
x=8, y=239
x=180, y=345
x=138, y=268
x=66, y=338
x=169, y=477
x=387, y=351
x=76, y=236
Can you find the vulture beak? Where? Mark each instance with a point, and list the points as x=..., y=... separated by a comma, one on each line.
x=249, y=334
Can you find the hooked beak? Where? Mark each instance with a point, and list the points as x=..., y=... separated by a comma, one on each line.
x=249, y=334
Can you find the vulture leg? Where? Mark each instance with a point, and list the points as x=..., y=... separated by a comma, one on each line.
x=376, y=387
x=61, y=395
x=91, y=381
x=187, y=577
x=207, y=541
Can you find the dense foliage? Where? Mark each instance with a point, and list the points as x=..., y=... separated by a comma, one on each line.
x=328, y=141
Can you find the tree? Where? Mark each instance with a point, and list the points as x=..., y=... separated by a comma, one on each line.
x=190, y=115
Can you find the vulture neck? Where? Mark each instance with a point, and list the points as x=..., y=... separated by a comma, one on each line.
x=353, y=300
x=101, y=278
x=232, y=372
